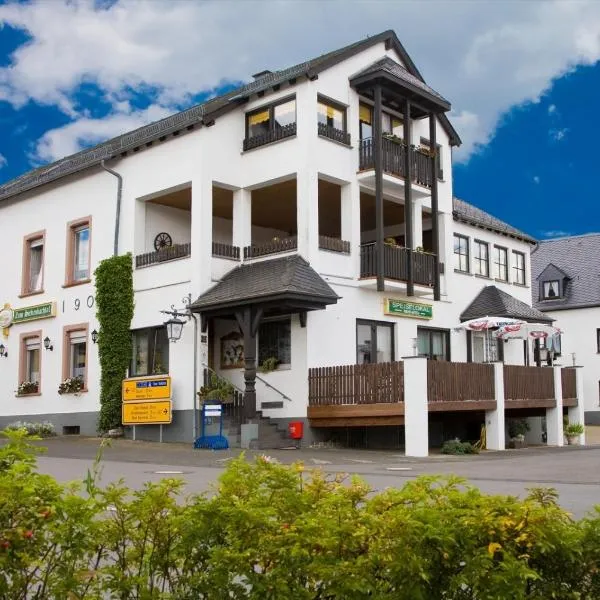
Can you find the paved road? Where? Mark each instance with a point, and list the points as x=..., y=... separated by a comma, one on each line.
x=573, y=472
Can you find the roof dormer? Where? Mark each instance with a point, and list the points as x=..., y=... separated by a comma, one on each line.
x=553, y=283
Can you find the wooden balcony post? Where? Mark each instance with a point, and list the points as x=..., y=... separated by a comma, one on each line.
x=408, y=207
x=435, y=234
x=494, y=419
x=416, y=412
x=377, y=155
x=554, y=416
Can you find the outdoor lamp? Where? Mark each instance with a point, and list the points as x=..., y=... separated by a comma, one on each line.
x=47, y=344
x=174, y=329
x=3, y=351
x=94, y=336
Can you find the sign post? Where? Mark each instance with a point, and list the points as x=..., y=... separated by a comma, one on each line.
x=147, y=401
x=211, y=421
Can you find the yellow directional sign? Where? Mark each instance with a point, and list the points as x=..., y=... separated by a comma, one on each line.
x=157, y=412
x=146, y=388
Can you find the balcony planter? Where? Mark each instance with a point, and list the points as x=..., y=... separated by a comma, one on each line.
x=72, y=385
x=28, y=387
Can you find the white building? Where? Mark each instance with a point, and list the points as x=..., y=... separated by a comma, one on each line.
x=284, y=211
x=566, y=276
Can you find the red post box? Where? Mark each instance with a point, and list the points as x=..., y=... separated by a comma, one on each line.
x=296, y=429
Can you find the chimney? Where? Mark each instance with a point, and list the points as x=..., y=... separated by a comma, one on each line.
x=261, y=74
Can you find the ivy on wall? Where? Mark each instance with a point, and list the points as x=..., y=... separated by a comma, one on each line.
x=114, y=301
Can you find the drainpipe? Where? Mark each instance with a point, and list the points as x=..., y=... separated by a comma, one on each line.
x=119, y=195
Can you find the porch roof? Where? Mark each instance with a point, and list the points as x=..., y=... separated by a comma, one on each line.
x=492, y=301
x=280, y=284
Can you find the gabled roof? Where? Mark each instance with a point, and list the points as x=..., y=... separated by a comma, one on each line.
x=470, y=214
x=285, y=278
x=552, y=272
x=398, y=72
x=494, y=302
x=205, y=113
x=579, y=258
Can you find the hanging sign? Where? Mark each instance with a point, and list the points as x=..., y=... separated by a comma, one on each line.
x=156, y=412
x=146, y=388
x=404, y=308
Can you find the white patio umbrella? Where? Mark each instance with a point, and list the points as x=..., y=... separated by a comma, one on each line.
x=485, y=323
x=525, y=330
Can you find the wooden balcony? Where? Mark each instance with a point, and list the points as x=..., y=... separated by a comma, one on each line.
x=174, y=252
x=337, y=135
x=528, y=387
x=275, y=135
x=394, y=160
x=569, y=386
x=275, y=246
x=395, y=261
x=225, y=251
x=334, y=244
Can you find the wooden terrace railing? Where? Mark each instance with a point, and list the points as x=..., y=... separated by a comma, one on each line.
x=173, y=252
x=395, y=263
x=225, y=251
x=285, y=244
x=338, y=135
x=569, y=384
x=459, y=382
x=334, y=244
x=279, y=133
x=528, y=383
x=356, y=384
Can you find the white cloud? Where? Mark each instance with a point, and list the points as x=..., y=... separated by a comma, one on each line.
x=552, y=109
x=536, y=179
x=62, y=141
x=3, y=161
x=484, y=56
x=555, y=233
x=558, y=134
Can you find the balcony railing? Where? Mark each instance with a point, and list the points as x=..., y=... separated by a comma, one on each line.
x=395, y=264
x=173, y=252
x=334, y=244
x=225, y=251
x=275, y=246
x=274, y=135
x=393, y=160
x=337, y=135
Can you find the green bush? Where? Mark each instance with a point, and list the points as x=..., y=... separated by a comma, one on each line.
x=277, y=532
x=458, y=447
x=43, y=429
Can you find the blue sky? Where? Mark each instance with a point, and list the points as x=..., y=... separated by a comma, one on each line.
x=523, y=79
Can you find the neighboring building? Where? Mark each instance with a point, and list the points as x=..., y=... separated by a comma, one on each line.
x=284, y=211
x=566, y=287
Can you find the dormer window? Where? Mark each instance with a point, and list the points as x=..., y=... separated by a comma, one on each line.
x=270, y=123
x=551, y=289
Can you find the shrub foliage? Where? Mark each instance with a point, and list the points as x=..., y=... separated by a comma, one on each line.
x=114, y=299
x=276, y=532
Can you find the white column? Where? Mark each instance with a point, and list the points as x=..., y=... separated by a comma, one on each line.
x=307, y=209
x=494, y=419
x=417, y=219
x=554, y=416
x=416, y=415
x=242, y=219
x=577, y=413
x=201, y=235
x=445, y=223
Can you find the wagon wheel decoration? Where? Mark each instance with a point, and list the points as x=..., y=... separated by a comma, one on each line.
x=162, y=240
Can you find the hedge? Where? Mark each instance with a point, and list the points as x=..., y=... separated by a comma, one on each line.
x=281, y=532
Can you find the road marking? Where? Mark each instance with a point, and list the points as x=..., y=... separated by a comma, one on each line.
x=169, y=472
x=318, y=461
x=398, y=469
x=358, y=460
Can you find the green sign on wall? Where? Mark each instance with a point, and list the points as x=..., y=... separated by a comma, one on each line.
x=403, y=308
x=32, y=313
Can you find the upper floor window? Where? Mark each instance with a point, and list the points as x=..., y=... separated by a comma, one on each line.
x=30, y=363
x=461, y=253
x=481, y=261
x=270, y=123
x=150, y=352
x=519, y=268
x=75, y=352
x=275, y=341
x=550, y=289
x=332, y=120
x=390, y=124
x=78, y=251
x=33, y=264
x=500, y=263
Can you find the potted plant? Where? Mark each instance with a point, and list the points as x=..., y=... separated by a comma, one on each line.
x=269, y=364
x=390, y=241
x=72, y=385
x=517, y=428
x=28, y=387
x=216, y=389
x=572, y=432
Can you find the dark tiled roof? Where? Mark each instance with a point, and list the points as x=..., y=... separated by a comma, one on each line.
x=289, y=276
x=197, y=115
x=577, y=257
x=493, y=302
x=463, y=211
x=391, y=67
